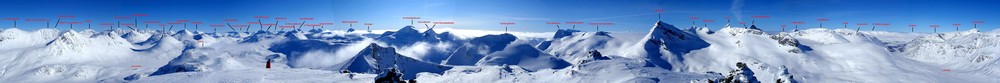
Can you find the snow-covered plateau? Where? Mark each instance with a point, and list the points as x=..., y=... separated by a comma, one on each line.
x=665, y=54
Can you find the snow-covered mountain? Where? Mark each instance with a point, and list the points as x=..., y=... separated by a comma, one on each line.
x=665, y=45
x=968, y=51
x=575, y=46
x=664, y=54
x=523, y=55
x=378, y=59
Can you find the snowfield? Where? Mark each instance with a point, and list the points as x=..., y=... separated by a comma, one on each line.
x=666, y=53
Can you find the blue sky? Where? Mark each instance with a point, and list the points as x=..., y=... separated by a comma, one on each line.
x=530, y=15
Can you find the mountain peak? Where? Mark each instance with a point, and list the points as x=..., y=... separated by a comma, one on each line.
x=378, y=59
x=70, y=37
x=315, y=30
x=429, y=33
x=602, y=33
x=674, y=41
x=754, y=27
x=407, y=30
x=296, y=35
x=563, y=33
x=185, y=31
x=405, y=36
x=666, y=31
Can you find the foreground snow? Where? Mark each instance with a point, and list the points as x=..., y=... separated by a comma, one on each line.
x=665, y=54
x=262, y=76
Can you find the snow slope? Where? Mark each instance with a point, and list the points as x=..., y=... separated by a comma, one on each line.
x=523, y=55
x=262, y=76
x=574, y=46
x=664, y=54
x=613, y=71
x=69, y=56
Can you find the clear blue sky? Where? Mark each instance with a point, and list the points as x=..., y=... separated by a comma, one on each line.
x=530, y=15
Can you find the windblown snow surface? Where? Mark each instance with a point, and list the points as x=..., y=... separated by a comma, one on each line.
x=664, y=54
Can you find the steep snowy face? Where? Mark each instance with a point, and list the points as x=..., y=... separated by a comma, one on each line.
x=68, y=42
x=668, y=37
x=378, y=59
x=523, y=55
x=665, y=45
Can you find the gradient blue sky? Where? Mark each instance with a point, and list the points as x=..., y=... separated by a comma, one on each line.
x=530, y=15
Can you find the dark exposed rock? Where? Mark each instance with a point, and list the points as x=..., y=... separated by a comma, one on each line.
x=786, y=77
x=391, y=76
x=741, y=75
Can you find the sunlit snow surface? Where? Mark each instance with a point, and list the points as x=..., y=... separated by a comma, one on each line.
x=665, y=54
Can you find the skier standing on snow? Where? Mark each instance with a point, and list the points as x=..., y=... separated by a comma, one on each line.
x=268, y=66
